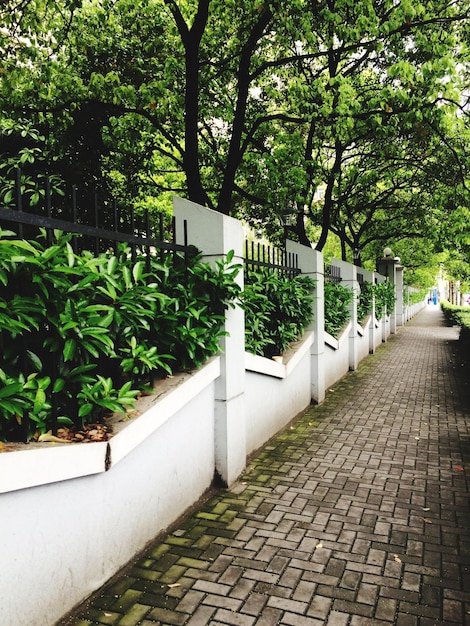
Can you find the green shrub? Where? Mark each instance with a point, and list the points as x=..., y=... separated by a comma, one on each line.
x=458, y=316
x=465, y=331
x=452, y=312
x=385, y=299
x=81, y=335
x=277, y=310
x=365, y=300
x=337, y=301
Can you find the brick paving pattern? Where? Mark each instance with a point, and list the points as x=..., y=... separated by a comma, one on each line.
x=357, y=514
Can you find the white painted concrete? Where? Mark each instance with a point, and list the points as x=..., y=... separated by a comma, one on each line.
x=60, y=542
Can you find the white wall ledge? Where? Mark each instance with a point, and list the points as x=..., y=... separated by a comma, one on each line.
x=291, y=358
x=364, y=327
x=331, y=342
x=45, y=463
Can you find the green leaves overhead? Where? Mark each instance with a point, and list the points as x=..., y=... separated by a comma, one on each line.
x=93, y=331
x=259, y=108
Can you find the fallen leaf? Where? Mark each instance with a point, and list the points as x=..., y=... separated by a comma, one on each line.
x=426, y=508
x=174, y=585
x=50, y=438
x=319, y=545
x=427, y=521
x=397, y=558
x=458, y=468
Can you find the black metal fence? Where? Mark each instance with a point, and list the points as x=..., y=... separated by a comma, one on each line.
x=97, y=224
x=258, y=256
x=332, y=274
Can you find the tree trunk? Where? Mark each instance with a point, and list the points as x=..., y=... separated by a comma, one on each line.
x=235, y=153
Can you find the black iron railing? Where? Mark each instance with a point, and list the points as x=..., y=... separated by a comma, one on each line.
x=98, y=225
x=258, y=255
x=332, y=274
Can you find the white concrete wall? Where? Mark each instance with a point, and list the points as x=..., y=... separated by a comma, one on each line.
x=386, y=324
x=61, y=541
x=376, y=333
x=275, y=392
x=336, y=357
x=363, y=339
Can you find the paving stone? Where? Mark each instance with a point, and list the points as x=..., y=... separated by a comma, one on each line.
x=386, y=609
x=353, y=516
x=237, y=619
x=319, y=607
x=134, y=615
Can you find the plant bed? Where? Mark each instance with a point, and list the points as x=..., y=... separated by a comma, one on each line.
x=41, y=462
x=82, y=335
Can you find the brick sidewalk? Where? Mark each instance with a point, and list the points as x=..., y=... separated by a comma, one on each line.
x=358, y=514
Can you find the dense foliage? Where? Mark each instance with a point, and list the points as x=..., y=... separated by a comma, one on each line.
x=337, y=311
x=353, y=114
x=384, y=294
x=459, y=316
x=365, y=300
x=456, y=315
x=80, y=335
x=277, y=309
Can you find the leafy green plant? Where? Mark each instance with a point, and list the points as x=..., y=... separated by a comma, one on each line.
x=30, y=153
x=365, y=300
x=277, y=309
x=92, y=331
x=189, y=325
x=414, y=297
x=385, y=299
x=23, y=403
x=458, y=316
x=337, y=301
x=101, y=396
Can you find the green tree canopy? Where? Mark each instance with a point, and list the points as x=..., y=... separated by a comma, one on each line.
x=350, y=115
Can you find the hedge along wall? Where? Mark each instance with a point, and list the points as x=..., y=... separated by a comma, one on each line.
x=69, y=528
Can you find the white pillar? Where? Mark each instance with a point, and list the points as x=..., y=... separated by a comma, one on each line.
x=400, y=303
x=349, y=280
x=311, y=264
x=215, y=234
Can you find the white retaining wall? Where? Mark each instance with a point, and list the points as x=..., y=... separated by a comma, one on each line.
x=73, y=515
x=275, y=392
x=61, y=540
x=336, y=356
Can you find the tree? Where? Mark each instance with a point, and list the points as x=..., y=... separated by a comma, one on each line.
x=243, y=106
x=391, y=83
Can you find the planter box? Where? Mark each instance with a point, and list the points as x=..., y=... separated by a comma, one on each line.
x=276, y=392
x=74, y=514
x=336, y=356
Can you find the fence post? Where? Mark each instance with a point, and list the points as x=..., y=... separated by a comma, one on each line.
x=387, y=266
x=215, y=234
x=311, y=264
x=349, y=280
x=400, y=303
